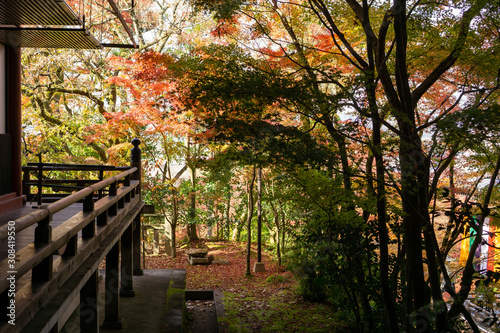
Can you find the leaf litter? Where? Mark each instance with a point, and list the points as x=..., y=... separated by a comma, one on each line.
x=263, y=302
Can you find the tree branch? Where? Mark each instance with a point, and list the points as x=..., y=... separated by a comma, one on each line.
x=450, y=60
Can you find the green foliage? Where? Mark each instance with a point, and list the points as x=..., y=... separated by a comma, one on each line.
x=222, y=9
x=472, y=126
x=333, y=254
x=282, y=315
x=275, y=279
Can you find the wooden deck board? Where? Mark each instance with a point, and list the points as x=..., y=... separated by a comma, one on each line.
x=26, y=236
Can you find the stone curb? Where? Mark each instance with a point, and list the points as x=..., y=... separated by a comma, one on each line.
x=217, y=296
x=175, y=305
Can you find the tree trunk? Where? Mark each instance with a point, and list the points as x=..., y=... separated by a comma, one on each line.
x=191, y=227
x=383, y=233
x=283, y=234
x=228, y=215
x=238, y=226
x=259, y=215
x=249, y=221
x=414, y=194
x=278, y=235
x=173, y=226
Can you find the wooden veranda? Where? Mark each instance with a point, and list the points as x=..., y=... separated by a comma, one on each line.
x=51, y=253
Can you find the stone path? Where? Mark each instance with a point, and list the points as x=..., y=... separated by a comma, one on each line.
x=147, y=310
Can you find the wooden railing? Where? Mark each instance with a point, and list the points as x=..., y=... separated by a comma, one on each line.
x=40, y=281
x=57, y=188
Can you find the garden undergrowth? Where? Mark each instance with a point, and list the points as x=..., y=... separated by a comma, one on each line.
x=263, y=302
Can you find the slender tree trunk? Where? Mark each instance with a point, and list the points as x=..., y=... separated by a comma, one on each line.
x=192, y=234
x=283, y=234
x=259, y=215
x=238, y=226
x=249, y=221
x=278, y=235
x=175, y=216
x=228, y=214
x=383, y=233
x=191, y=227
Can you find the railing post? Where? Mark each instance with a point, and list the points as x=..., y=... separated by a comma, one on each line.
x=40, y=184
x=88, y=206
x=101, y=177
x=135, y=161
x=89, y=314
x=26, y=187
x=113, y=209
x=112, y=283
x=43, y=236
x=5, y=303
x=102, y=219
x=71, y=248
x=121, y=202
x=126, y=182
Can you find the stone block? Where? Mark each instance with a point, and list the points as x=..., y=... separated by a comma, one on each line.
x=197, y=253
x=259, y=267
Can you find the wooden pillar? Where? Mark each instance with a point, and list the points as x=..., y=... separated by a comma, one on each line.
x=14, y=123
x=126, y=183
x=40, y=182
x=127, y=285
x=26, y=188
x=89, y=314
x=5, y=303
x=43, y=235
x=135, y=161
x=102, y=219
x=112, y=282
x=113, y=209
x=88, y=207
x=101, y=177
x=136, y=245
x=71, y=247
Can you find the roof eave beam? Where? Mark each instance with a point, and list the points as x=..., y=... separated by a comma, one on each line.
x=122, y=20
x=120, y=46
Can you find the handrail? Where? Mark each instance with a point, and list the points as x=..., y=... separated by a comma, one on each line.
x=63, y=259
x=61, y=238
x=48, y=210
x=40, y=167
x=76, y=167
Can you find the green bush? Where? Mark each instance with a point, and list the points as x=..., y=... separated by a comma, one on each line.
x=275, y=279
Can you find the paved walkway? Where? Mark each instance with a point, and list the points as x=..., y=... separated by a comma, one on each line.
x=147, y=311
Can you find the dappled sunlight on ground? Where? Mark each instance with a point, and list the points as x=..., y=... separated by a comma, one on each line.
x=225, y=275
x=263, y=302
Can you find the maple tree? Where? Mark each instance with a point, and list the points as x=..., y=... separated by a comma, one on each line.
x=67, y=94
x=367, y=107
x=398, y=71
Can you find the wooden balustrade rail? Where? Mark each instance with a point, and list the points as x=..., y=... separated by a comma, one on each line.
x=67, y=185
x=62, y=262
x=43, y=212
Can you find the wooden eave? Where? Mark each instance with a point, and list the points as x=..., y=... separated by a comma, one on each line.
x=48, y=24
x=49, y=38
x=37, y=12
